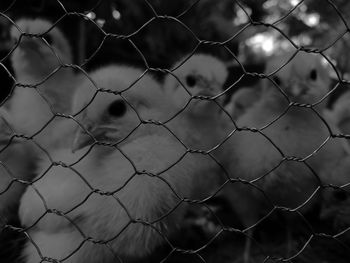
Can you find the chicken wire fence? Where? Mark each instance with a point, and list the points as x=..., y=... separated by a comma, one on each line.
x=209, y=236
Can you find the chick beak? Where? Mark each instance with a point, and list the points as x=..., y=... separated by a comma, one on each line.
x=92, y=134
x=207, y=88
x=297, y=89
x=81, y=139
x=85, y=137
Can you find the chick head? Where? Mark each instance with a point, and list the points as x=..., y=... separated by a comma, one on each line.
x=123, y=100
x=305, y=78
x=32, y=53
x=200, y=75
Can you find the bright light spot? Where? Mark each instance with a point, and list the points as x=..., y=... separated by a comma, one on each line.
x=116, y=14
x=100, y=22
x=294, y=2
x=268, y=45
x=91, y=15
x=262, y=42
x=312, y=20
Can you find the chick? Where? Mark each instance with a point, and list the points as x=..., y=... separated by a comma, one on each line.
x=35, y=62
x=265, y=158
x=204, y=76
x=242, y=100
x=110, y=193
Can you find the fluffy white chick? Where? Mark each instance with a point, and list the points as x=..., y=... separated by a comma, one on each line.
x=126, y=196
x=200, y=75
x=298, y=133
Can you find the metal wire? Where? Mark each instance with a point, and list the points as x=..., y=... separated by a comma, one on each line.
x=199, y=252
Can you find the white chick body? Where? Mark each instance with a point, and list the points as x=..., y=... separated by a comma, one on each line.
x=150, y=148
x=102, y=217
x=292, y=182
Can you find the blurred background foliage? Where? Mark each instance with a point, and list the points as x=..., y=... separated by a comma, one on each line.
x=313, y=23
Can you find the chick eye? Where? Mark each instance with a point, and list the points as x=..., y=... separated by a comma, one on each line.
x=313, y=74
x=117, y=108
x=191, y=81
x=340, y=195
x=277, y=80
x=48, y=39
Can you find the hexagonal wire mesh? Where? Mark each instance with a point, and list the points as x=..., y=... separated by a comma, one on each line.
x=73, y=211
